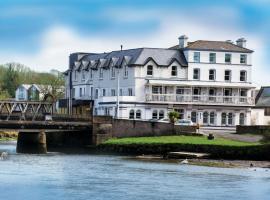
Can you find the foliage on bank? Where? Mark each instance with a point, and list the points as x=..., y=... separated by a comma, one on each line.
x=218, y=148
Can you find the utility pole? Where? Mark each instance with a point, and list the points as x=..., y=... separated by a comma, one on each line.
x=117, y=97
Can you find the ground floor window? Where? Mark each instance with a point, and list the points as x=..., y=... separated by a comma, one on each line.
x=212, y=118
x=230, y=119
x=194, y=117
x=205, y=117
x=161, y=114
x=131, y=114
x=181, y=113
x=138, y=114
x=242, y=119
x=154, y=114
x=223, y=118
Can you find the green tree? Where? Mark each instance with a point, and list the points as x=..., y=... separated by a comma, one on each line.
x=10, y=80
x=173, y=116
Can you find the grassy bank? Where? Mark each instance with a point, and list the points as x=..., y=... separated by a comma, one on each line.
x=202, y=140
x=219, y=148
x=7, y=136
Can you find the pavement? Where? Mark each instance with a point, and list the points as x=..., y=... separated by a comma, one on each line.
x=229, y=133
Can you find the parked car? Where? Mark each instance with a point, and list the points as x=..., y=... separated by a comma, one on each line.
x=164, y=120
x=184, y=122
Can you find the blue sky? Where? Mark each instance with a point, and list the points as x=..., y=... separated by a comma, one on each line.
x=41, y=34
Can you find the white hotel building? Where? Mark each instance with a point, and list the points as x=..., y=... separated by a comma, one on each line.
x=208, y=82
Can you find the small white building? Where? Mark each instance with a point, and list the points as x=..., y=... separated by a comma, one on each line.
x=209, y=82
x=31, y=92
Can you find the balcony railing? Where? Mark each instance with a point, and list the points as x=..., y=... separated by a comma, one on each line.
x=206, y=99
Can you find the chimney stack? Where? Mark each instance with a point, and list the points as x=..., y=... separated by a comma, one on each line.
x=241, y=42
x=183, y=40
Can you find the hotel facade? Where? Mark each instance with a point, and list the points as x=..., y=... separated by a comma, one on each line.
x=208, y=82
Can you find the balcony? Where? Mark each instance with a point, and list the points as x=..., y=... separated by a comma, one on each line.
x=201, y=99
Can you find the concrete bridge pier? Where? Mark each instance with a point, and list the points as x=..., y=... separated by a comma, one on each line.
x=32, y=142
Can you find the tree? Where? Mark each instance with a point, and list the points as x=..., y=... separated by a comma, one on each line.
x=10, y=80
x=173, y=116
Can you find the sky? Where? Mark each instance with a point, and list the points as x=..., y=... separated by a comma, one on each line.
x=42, y=33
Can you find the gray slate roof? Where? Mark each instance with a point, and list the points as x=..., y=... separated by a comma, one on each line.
x=140, y=56
x=263, y=97
x=214, y=46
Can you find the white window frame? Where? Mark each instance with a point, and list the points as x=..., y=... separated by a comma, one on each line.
x=198, y=75
x=230, y=75
x=230, y=56
x=197, y=57
x=113, y=72
x=174, y=71
x=100, y=73
x=125, y=71
x=245, y=76
x=212, y=56
x=243, y=58
x=214, y=74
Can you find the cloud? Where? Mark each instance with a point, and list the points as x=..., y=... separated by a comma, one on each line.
x=58, y=42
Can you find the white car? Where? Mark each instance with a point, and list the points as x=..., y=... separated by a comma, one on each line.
x=184, y=122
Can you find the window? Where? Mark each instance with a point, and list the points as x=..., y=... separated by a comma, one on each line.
x=75, y=75
x=267, y=111
x=230, y=119
x=80, y=92
x=73, y=92
x=174, y=71
x=243, y=76
x=227, y=75
x=194, y=117
x=181, y=113
x=121, y=92
x=196, y=57
x=161, y=114
x=131, y=114
x=96, y=94
x=126, y=71
x=104, y=92
x=113, y=72
x=212, y=57
x=157, y=89
x=149, y=70
x=101, y=73
x=154, y=114
x=243, y=59
x=138, y=114
x=212, y=74
x=205, y=117
x=223, y=118
x=228, y=58
x=130, y=93
x=21, y=93
x=212, y=118
x=242, y=119
x=91, y=74
x=196, y=74
x=113, y=92
x=212, y=94
x=83, y=75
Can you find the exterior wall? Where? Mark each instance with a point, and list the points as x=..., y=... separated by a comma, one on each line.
x=133, y=128
x=17, y=94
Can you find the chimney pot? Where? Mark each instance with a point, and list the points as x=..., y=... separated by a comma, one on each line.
x=241, y=42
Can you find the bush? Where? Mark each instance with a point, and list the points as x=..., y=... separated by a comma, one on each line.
x=173, y=116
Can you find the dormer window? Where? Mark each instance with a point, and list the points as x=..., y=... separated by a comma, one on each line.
x=125, y=71
x=212, y=57
x=75, y=75
x=83, y=75
x=149, y=70
x=196, y=57
x=174, y=71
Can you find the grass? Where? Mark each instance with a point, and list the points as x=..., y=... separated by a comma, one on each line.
x=178, y=140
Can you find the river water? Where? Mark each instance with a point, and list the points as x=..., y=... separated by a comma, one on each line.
x=73, y=177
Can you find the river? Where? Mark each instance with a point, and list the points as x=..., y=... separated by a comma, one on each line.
x=74, y=177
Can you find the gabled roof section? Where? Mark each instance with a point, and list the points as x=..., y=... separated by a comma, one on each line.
x=263, y=97
x=26, y=86
x=206, y=45
x=162, y=57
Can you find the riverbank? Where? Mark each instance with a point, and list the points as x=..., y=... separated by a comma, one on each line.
x=8, y=135
x=218, y=148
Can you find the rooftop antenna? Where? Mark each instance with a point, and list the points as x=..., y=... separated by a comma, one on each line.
x=121, y=47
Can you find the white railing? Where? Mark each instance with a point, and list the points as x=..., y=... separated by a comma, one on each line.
x=200, y=99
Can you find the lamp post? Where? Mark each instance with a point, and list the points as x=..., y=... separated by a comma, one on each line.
x=117, y=97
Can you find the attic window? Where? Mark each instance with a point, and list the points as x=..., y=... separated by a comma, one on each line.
x=174, y=71
x=150, y=70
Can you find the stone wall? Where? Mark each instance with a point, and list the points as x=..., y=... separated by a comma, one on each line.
x=134, y=128
x=256, y=129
